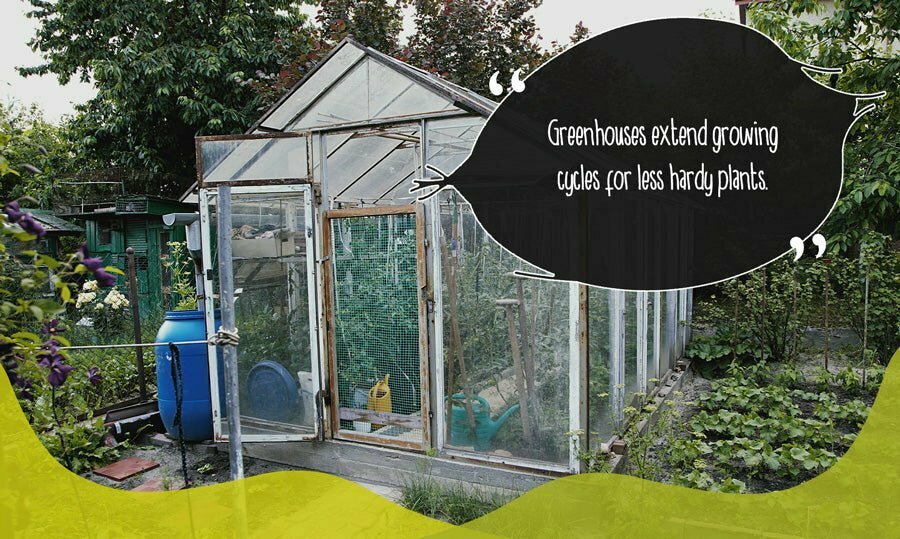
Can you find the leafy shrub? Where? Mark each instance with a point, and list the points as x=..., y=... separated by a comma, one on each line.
x=52, y=392
x=750, y=426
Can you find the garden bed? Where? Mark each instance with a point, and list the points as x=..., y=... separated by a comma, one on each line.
x=759, y=428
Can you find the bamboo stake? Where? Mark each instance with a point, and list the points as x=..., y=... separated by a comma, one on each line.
x=527, y=348
x=507, y=305
x=456, y=341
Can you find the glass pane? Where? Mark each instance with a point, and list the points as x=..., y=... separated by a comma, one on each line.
x=506, y=347
x=371, y=91
x=324, y=76
x=376, y=326
x=275, y=375
x=602, y=423
x=450, y=141
x=392, y=94
x=375, y=166
x=235, y=160
x=344, y=102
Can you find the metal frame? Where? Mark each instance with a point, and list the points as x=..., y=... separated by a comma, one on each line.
x=657, y=336
x=671, y=328
x=199, y=141
x=617, y=355
x=334, y=407
x=641, y=313
x=209, y=310
x=579, y=375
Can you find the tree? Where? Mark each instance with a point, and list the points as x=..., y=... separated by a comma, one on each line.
x=37, y=151
x=165, y=71
x=374, y=23
x=467, y=41
x=859, y=36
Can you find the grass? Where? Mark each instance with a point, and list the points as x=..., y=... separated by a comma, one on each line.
x=454, y=504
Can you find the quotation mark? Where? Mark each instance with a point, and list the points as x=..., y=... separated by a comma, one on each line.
x=797, y=245
x=516, y=83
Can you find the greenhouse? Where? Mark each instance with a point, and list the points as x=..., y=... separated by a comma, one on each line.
x=375, y=328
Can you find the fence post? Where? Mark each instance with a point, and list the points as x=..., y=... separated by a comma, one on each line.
x=136, y=319
x=229, y=352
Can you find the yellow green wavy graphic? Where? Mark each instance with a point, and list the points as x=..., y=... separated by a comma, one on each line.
x=859, y=496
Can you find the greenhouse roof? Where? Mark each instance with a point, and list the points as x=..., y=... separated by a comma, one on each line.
x=372, y=85
x=369, y=109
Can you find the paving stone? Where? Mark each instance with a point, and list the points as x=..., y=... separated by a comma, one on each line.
x=123, y=469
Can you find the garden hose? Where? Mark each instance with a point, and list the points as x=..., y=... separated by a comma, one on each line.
x=177, y=379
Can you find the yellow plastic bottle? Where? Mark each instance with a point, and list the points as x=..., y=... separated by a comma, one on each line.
x=380, y=398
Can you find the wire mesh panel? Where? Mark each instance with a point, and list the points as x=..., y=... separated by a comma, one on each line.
x=277, y=373
x=375, y=340
x=505, y=393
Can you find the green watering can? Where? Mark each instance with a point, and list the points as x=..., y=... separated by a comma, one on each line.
x=485, y=427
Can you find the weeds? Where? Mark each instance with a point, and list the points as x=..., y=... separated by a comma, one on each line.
x=454, y=504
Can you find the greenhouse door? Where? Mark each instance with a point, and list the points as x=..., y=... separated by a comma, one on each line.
x=375, y=309
x=275, y=312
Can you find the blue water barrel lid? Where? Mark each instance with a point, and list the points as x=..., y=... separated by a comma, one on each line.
x=273, y=392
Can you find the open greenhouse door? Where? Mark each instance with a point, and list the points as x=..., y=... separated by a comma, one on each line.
x=375, y=309
x=275, y=312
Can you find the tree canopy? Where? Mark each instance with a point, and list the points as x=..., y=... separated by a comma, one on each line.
x=165, y=71
x=861, y=37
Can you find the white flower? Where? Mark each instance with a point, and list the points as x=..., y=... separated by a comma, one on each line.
x=116, y=299
x=90, y=286
x=98, y=307
x=84, y=298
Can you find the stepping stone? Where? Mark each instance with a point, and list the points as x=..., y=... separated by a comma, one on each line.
x=156, y=485
x=125, y=468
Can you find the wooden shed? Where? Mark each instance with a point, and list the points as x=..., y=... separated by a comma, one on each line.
x=136, y=221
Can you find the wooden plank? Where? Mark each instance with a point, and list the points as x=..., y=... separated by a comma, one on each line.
x=328, y=326
x=379, y=440
x=423, y=295
x=381, y=418
x=370, y=212
x=125, y=468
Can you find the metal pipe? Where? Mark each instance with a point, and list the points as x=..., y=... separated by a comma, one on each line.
x=136, y=318
x=128, y=345
x=229, y=353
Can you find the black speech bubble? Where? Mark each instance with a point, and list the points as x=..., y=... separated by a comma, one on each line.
x=649, y=73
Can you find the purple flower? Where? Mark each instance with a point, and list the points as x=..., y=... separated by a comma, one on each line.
x=31, y=226
x=12, y=210
x=52, y=327
x=53, y=360
x=59, y=371
x=104, y=278
x=24, y=385
x=23, y=219
x=93, y=264
x=94, y=376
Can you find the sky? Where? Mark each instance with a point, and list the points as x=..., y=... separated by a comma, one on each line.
x=556, y=19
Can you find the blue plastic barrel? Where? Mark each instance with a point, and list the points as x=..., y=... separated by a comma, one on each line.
x=196, y=409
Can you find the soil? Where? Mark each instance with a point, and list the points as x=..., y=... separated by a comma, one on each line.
x=205, y=464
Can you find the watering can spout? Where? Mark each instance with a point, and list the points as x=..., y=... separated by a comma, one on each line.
x=497, y=423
